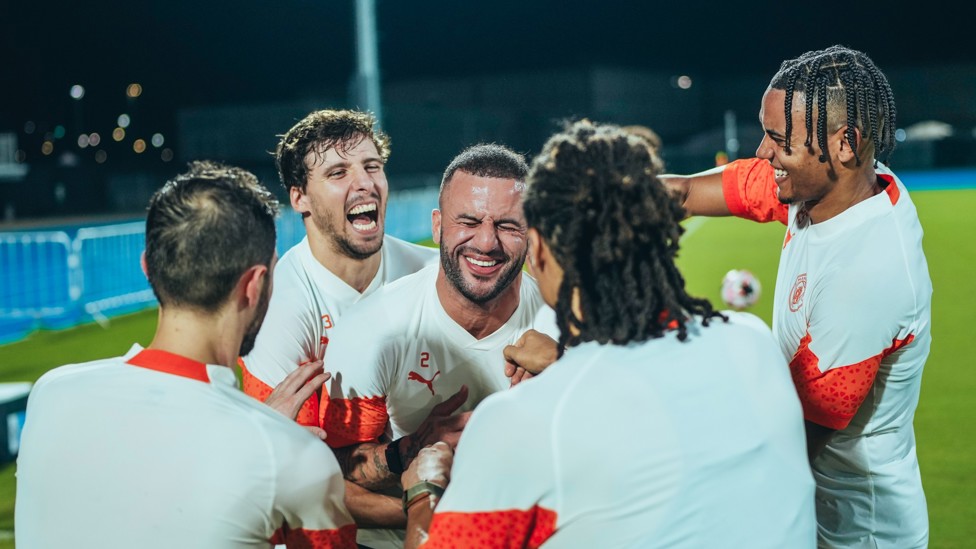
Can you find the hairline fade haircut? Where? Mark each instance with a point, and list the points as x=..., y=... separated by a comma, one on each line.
x=848, y=89
x=594, y=197
x=486, y=160
x=204, y=229
x=316, y=134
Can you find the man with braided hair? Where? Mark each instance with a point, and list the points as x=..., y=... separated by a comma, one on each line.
x=664, y=423
x=853, y=294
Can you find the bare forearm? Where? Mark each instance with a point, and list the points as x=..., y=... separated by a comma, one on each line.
x=365, y=464
x=372, y=510
x=699, y=194
x=419, y=516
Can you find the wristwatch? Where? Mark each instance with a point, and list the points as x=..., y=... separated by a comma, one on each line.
x=422, y=488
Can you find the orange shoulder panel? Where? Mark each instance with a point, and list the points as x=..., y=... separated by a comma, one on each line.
x=352, y=421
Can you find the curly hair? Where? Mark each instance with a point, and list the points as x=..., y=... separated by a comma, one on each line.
x=594, y=197
x=317, y=133
x=204, y=228
x=848, y=89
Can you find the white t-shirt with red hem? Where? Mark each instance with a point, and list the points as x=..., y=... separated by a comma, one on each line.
x=156, y=450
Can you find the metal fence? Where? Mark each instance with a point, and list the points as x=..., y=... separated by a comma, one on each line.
x=60, y=278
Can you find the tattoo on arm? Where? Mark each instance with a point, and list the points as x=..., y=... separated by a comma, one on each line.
x=365, y=464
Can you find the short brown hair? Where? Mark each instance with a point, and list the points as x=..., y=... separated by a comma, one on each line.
x=317, y=133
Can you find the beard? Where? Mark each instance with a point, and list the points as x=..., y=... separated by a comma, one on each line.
x=452, y=271
x=251, y=335
x=341, y=244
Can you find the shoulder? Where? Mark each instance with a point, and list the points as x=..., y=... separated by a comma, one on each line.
x=69, y=373
x=407, y=257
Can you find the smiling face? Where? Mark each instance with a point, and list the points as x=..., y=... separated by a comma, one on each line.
x=345, y=197
x=481, y=232
x=801, y=177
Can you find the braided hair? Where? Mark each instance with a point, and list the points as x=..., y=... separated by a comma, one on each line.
x=593, y=196
x=848, y=89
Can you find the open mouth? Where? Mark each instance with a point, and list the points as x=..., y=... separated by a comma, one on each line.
x=363, y=217
x=482, y=265
x=780, y=174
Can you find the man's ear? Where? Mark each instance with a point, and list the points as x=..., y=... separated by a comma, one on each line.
x=435, y=225
x=535, y=252
x=299, y=200
x=251, y=284
x=846, y=153
x=142, y=263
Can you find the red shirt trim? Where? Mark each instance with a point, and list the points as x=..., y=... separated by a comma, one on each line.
x=169, y=363
x=354, y=420
x=513, y=528
x=300, y=538
x=832, y=398
x=308, y=414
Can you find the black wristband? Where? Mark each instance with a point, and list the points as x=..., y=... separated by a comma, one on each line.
x=393, y=462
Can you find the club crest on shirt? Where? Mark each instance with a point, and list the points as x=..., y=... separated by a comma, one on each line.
x=798, y=292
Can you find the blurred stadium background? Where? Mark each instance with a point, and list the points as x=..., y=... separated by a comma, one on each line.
x=100, y=104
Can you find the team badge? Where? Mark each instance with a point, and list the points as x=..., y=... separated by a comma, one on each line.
x=798, y=292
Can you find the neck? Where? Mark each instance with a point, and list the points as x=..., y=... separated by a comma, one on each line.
x=479, y=319
x=859, y=186
x=357, y=273
x=207, y=338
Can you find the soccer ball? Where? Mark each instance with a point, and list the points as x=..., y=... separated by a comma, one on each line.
x=740, y=289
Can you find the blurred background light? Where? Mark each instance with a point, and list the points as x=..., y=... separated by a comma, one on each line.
x=77, y=91
x=47, y=148
x=101, y=156
x=118, y=134
x=139, y=146
x=166, y=155
x=94, y=139
x=124, y=120
x=83, y=140
x=134, y=90
x=157, y=140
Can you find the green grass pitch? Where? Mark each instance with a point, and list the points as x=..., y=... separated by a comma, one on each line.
x=710, y=248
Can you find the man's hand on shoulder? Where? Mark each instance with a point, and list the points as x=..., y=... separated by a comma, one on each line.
x=289, y=395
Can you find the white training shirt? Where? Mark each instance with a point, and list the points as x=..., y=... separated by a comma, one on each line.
x=398, y=354
x=852, y=314
x=156, y=450
x=655, y=444
x=391, y=347
x=306, y=304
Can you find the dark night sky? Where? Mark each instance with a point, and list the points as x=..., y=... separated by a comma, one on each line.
x=214, y=51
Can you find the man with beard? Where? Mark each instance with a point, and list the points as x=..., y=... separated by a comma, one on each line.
x=431, y=343
x=159, y=448
x=332, y=164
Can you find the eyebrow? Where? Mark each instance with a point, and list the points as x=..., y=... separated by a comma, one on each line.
x=504, y=221
x=773, y=134
x=344, y=163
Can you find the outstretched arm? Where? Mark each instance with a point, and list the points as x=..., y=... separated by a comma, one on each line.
x=700, y=193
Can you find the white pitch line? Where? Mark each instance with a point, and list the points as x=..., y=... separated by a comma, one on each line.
x=693, y=225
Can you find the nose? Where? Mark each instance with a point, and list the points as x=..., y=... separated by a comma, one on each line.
x=486, y=236
x=765, y=149
x=364, y=181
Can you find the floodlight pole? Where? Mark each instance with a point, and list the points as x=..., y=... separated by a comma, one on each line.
x=367, y=60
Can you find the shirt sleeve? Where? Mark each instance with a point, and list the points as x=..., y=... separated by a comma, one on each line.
x=750, y=191
x=855, y=322
x=288, y=338
x=501, y=490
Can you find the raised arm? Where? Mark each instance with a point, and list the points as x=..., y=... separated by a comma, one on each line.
x=700, y=193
